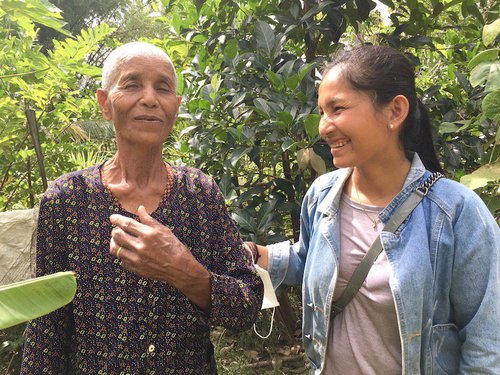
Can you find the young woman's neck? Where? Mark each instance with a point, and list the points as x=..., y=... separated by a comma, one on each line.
x=377, y=184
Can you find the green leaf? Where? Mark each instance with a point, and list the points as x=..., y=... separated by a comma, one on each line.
x=285, y=117
x=490, y=32
x=364, y=8
x=479, y=74
x=483, y=56
x=292, y=82
x=180, y=83
x=491, y=105
x=188, y=130
x=493, y=80
x=263, y=107
x=312, y=125
x=227, y=187
x=482, y=176
x=250, y=194
x=275, y=80
x=464, y=84
x=287, y=143
x=315, y=10
x=473, y=10
x=265, y=216
x=244, y=220
x=215, y=82
x=231, y=49
x=264, y=35
x=447, y=127
x=30, y=299
x=40, y=11
x=238, y=153
x=285, y=186
x=438, y=8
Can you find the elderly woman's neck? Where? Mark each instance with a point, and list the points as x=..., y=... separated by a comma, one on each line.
x=135, y=169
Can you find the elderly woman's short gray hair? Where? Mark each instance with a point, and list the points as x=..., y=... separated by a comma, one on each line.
x=126, y=51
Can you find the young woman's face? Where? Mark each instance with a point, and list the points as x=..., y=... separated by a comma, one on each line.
x=356, y=131
x=142, y=102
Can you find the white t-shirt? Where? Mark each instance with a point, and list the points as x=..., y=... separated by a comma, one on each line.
x=364, y=338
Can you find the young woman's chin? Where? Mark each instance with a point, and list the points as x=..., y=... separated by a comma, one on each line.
x=341, y=158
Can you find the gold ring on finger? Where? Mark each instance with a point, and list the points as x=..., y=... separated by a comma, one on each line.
x=118, y=252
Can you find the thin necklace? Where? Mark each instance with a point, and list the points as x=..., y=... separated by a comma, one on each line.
x=374, y=221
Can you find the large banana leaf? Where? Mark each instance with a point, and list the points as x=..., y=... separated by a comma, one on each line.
x=29, y=299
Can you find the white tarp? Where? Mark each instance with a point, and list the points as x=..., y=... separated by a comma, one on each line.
x=17, y=245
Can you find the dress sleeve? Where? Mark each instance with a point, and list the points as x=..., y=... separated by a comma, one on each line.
x=47, y=338
x=236, y=288
x=475, y=291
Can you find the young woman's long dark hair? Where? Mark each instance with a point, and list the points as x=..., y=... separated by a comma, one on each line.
x=386, y=73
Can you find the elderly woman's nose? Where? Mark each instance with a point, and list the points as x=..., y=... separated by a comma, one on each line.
x=149, y=96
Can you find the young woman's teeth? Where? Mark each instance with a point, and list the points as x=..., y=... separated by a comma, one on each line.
x=339, y=144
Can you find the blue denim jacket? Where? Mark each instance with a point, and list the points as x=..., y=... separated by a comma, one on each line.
x=444, y=279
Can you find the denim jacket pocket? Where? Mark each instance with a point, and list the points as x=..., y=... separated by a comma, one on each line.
x=445, y=345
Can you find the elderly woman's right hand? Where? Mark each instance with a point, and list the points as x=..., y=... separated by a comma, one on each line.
x=151, y=250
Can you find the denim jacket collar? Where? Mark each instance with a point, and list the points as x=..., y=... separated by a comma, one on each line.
x=330, y=204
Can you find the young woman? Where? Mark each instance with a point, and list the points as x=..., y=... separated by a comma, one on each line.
x=430, y=302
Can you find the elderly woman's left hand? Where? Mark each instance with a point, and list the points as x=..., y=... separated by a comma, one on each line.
x=151, y=250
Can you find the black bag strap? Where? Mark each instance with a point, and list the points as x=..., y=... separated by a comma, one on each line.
x=360, y=273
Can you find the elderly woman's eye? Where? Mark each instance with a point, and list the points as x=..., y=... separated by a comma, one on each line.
x=165, y=89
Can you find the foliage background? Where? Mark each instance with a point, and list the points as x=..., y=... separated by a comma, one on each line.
x=248, y=72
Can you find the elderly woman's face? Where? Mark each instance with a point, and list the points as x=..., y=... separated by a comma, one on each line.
x=141, y=102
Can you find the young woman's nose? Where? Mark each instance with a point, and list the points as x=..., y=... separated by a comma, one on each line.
x=326, y=125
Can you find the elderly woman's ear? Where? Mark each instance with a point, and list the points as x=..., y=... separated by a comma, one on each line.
x=102, y=100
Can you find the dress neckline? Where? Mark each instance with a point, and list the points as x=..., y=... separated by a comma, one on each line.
x=116, y=202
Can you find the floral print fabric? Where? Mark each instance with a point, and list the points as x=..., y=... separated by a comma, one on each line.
x=120, y=323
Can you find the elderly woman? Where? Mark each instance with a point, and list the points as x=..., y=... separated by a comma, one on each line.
x=156, y=254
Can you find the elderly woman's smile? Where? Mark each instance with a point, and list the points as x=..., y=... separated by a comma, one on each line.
x=148, y=118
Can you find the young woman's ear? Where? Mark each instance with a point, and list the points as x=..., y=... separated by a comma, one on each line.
x=398, y=111
x=102, y=100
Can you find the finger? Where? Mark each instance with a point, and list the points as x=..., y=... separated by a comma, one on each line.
x=123, y=253
x=120, y=248
x=128, y=224
x=120, y=237
x=145, y=217
x=113, y=247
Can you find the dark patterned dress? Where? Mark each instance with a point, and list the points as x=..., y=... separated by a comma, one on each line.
x=120, y=323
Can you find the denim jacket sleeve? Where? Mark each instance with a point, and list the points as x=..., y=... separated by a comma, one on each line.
x=286, y=261
x=475, y=291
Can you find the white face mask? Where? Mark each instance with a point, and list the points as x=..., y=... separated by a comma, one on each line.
x=270, y=301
